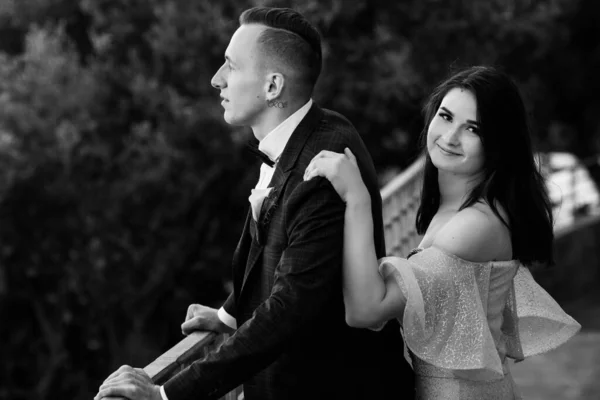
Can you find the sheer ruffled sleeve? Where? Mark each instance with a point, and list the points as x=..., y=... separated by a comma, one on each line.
x=445, y=320
x=533, y=322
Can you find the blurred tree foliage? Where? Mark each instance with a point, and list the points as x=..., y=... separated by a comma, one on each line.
x=122, y=191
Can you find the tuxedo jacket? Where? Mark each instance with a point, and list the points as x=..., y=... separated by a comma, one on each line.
x=292, y=341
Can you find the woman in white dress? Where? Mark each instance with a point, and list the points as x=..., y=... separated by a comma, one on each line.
x=465, y=297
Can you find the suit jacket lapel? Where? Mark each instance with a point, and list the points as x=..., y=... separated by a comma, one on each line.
x=240, y=256
x=294, y=146
x=286, y=162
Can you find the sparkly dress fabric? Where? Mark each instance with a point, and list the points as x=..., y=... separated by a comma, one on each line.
x=463, y=320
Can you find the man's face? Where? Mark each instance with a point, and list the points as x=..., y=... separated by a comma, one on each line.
x=241, y=79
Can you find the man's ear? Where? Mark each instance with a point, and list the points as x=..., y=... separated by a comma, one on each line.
x=274, y=86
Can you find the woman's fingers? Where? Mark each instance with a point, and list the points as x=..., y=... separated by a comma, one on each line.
x=351, y=156
x=308, y=169
x=312, y=171
x=325, y=154
x=328, y=155
x=322, y=167
x=326, y=163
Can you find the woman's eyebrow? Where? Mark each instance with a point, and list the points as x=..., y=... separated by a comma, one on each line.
x=450, y=112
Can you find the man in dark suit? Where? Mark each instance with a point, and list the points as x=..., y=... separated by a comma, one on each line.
x=286, y=312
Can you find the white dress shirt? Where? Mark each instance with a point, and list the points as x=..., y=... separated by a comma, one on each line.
x=272, y=145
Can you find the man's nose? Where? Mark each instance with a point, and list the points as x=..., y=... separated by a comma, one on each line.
x=217, y=80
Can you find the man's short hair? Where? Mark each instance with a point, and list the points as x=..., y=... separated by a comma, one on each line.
x=289, y=39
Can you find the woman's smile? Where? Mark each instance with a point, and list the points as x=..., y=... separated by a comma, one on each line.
x=446, y=151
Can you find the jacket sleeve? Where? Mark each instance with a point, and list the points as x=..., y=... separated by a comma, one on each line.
x=308, y=275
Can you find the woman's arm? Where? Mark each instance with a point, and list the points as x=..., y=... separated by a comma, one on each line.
x=369, y=299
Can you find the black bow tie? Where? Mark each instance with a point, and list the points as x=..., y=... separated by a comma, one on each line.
x=252, y=147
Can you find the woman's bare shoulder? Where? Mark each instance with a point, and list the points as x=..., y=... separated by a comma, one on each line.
x=476, y=234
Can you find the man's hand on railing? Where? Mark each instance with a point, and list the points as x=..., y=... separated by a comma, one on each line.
x=130, y=383
x=203, y=318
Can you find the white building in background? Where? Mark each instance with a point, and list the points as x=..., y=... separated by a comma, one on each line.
x=571, y=189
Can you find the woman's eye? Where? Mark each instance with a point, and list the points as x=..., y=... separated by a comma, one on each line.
x=445, y=116
x=473, y=129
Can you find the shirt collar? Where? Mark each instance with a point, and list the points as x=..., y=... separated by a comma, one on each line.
x=274, y=143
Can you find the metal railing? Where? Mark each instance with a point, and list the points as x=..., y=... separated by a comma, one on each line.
x=401, y=198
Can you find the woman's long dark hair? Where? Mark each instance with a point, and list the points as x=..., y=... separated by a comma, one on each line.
x=512, y=178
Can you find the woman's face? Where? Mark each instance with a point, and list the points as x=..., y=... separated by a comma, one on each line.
x=453, y=141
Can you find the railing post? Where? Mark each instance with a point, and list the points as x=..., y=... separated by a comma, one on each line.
x=400, y=202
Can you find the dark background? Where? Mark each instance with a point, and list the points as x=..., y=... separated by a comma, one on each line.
x=122, y=190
